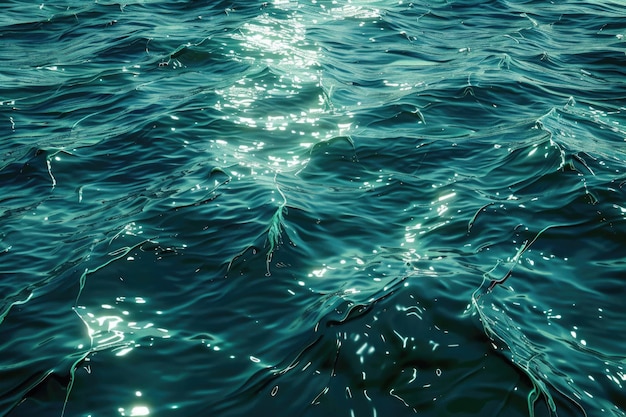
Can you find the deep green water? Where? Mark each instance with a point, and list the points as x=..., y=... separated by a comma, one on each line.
x=312, y=208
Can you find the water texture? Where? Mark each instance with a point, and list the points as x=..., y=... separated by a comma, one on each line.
x=312, y=208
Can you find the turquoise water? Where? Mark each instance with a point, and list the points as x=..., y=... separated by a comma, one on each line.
x=312, y=208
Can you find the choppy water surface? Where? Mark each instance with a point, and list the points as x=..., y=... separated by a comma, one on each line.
x=312, y=208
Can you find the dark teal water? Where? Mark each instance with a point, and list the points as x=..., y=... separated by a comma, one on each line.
x=312, y=208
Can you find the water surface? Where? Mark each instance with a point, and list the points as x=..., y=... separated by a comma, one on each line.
x=312, y=208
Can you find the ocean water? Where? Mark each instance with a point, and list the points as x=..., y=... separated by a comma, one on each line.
x=312, y=208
